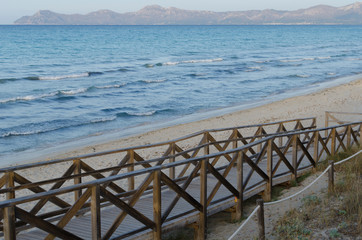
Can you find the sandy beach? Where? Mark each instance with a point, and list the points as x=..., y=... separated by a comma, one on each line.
x=343, y=98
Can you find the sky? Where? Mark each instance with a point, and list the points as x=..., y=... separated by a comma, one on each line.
x=11, y=10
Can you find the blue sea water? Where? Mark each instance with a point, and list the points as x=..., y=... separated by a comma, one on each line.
x=60, y=84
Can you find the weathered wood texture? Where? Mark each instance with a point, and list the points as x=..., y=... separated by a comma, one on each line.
x=206, y=179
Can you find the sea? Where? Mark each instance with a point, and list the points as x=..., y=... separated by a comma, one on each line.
x=67, y=86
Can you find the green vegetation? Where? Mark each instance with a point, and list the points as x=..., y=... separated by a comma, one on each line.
x=338, y=214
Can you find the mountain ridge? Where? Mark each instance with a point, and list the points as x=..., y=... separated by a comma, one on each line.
x=157, y=15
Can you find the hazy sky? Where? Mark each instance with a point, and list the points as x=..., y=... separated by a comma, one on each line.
x=10, y=10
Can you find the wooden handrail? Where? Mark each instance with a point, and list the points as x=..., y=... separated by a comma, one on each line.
x=20, y=200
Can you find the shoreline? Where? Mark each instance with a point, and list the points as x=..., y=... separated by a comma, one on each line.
x=341, y=94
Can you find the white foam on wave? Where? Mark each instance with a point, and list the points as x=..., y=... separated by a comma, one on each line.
x=328, y=57
x=73, y=92
x=47, y=95
x=99, y=120
x=170, y=63
x=304, y=59
x=150, y=113
x=194, y=61
x=303, y=75
x=64, y=76
x=112, y=86
x=28, y=98
x=154, y=81
x=14, y=133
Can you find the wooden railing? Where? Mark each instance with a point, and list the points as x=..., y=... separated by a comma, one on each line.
x=87, y=167
x=341, y=117
x=306, y=149
x=205, y=178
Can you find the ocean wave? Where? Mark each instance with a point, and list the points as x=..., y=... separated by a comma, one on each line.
x=50, y=126
x=73, y=92
x=60, y=77
x=299, y=76
x=47, y=95
x=136, y=114
x=148, y=65
x=304, y=59
x=262, y=61
x=253, y=69
x=154, y=81
x=28, y=98
x=106, y=119
x=111, y=86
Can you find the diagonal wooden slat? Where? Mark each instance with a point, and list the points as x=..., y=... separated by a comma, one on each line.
x=305, y=151
x=243, y=140
x=354, y=136
x=96, y=175
x=255, y=168
x=131, y=203
x=181, y=192
x=224, y=175
x=2, y=180
x=324, y=146
x=341, y=139
x=57, y=185
x=188, y=181
x=184, y=170
x=222, y=180
x=44, y=225
x=282, y=159
x=126, y=208
x=121, y=164
x=72, y=212
x=219, y=148
x=311, y=141
x=57, y=201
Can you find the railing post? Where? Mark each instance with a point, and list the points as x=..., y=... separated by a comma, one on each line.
x=77, y=180
x=331, y=177
x=261, y=222
x=96, y=214
x=295, y=156
x=172, y=160
x=269, y=169
x=349, y=135
x=240, y=198
x=157, y=232
x=235, y=142
x=316, y=149
x=202, y=229
x=9, y=213
x=360, y=135
x=333, y=143
x=130, y=168
x=326, y=123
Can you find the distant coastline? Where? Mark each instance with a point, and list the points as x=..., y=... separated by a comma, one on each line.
x=157, y=15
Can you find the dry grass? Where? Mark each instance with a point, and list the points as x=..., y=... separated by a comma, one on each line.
x=338, y=215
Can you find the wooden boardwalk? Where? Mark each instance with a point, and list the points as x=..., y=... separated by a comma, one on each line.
x=184, y=186
x=224, y=199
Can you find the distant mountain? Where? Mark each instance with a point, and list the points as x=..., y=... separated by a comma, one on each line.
x=157, y=15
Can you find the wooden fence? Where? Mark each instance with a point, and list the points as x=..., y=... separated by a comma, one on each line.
x=340, y=117
x=181, y=187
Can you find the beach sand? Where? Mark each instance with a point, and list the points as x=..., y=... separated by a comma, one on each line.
x=342, y=98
